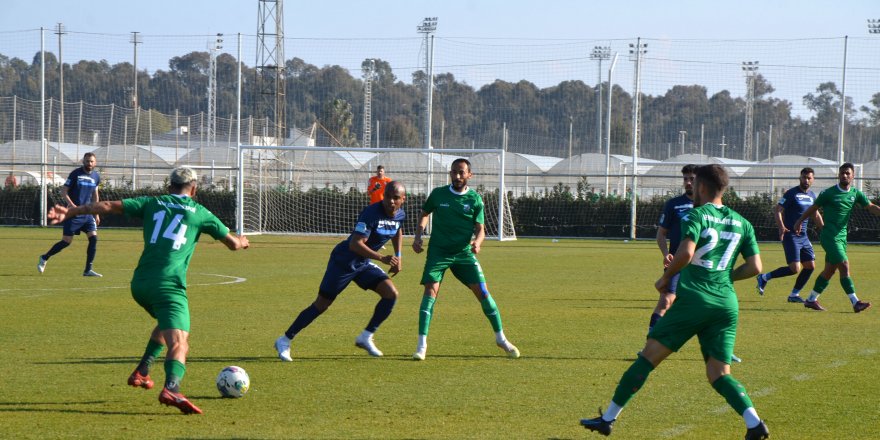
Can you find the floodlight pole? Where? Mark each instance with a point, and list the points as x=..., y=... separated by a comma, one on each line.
x=608, y=137
x=59, y=30
x=44, y=154
x=840, y=136
x=599, y=53
x=636, y=50
x=750, y=68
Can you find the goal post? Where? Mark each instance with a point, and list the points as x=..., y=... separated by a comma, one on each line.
x=301, y=190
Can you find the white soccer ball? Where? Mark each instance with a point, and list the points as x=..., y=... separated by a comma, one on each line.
x=233, y=382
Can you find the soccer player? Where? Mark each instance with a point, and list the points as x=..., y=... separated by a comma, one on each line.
x=837, y=203
x=670, y=227
x=80, y=188
x=798, y=249
x=173, y=224
x=376, y=185
x=350, y=261
x=457, y=235
x=713, y=235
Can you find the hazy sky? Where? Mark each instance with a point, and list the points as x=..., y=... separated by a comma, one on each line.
x=583, y=19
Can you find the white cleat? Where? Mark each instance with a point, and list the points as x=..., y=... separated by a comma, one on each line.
x=734, y=358
x=91, y=273
x=420, y=353
x=41, y=266
x=282, y=346
x=510, y=349
x=368, y=345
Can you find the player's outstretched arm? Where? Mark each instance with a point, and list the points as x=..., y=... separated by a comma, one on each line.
x=873, y=209
x=235, y=242
x=749, y=269
x=800, y=221
x=59, y=213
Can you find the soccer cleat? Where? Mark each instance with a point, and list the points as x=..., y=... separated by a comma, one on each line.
x=860, y=305
x=368, y=345
x=795, y=299
x=598, y=424
x=178, y=401
x=759, y=432
x=91, y=273
x=510, y=349
x=138, y=381
x=282, y=346
x=735, y=358
x=420, y=353
x=41, y=266
x=814, y=305
x=762, y=283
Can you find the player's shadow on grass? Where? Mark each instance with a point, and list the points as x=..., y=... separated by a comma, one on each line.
x=62, y=408
x=134, y=361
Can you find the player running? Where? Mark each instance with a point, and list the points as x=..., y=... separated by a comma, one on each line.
x=173, y=224
x=713, y=235
x=798, y=248
x=457, y=235
x=80, y=188
x=837, y=203
x=350, y=261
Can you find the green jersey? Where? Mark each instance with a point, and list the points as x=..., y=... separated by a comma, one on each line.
x=454, y=218
x=720, y=234
x=172, y=226
x=837, y=206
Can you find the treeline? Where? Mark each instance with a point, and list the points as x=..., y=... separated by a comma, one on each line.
x=539, y=120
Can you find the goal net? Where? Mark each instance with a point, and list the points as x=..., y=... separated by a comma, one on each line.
x=321, y=190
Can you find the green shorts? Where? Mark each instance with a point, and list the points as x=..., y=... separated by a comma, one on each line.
x=714, y=326
x=835, y=248
x=464, y=266
x=169, y=305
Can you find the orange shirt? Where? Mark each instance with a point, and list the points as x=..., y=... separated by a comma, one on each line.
x=377, y=193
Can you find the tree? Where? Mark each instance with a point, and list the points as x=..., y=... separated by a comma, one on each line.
x=337, y=119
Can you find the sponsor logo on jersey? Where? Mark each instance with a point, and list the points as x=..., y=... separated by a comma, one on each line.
x=466, y=207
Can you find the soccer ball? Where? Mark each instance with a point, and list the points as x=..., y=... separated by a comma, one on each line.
x=233, y=382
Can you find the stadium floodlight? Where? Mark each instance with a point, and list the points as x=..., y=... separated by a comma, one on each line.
x=135, y=40
x=751, y=70
x=599, y=53
x=873, y=26
x=59, y=30
x=428, y=26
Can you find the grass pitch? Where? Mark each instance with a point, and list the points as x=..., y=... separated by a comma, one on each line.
x=578, y=311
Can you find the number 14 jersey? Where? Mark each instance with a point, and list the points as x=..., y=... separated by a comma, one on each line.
x=172, y=226
x=721, y=235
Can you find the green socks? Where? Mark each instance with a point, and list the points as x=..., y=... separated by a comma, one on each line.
x=491, y=312
x=848, y=285
x=821, y=284
x=632, y=380
x=154, y=349
x=733, y=392
x=426, y=310
x=174, y=372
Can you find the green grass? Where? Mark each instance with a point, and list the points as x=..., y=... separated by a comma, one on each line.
x=578, y=310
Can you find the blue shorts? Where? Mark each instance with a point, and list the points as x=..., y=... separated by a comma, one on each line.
x=80, y=223
x=797, y=248
x=338, y=276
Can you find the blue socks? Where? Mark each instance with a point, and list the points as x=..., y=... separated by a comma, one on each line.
x=90, y=252
x=302, y=321
x=58, y=247
x=380, y=313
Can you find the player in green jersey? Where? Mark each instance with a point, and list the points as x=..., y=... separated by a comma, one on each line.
x=837, y=203
x=172, y=226
x=713, y=235
x=457, y=235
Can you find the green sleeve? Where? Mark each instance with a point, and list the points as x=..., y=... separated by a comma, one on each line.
x=428, y=206
x=213, y=226
x=822, y=198
x=862, y=199
x=135, y=207
x=750, y=243
x=479, y=208
x=691, y=227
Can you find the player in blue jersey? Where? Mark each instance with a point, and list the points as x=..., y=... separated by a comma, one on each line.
x=798, y=249
x=80, y=188
x=670, y=228
x=350, y=261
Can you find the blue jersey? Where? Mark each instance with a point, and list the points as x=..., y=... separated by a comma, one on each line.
x=374, y=224
x=80, y=185
x=670, y=219
x=794, y=203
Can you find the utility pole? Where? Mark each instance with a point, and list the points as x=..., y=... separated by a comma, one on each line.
x=600, y=53
x=751, y=70
x=135, y=40
x=59, y=30
x=636, y=51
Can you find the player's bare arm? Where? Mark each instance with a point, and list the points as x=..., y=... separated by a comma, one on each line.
x=777, y=214
x=798, y=225
x=479, y=236
x=65, y=194
x=873, y=209
x=59, y=212
x=96, y=198
x=358, y=245
x=234, y=242
x=397, y=243
x=749, y=269
x=682, y=258
x=420, y=229
x=663, y=245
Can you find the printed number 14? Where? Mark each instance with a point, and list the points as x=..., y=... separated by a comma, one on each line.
x=179, y=237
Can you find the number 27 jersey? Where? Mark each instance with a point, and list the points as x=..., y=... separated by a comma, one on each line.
x=721, y=234
x=172, y=226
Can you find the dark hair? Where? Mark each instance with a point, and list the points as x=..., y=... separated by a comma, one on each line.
x=392, y=188
x=90, y=154
x=714, y=177
x=380, y=167
x=689, y=169
x=847, y=165
x=462, y=160
x=807, y=170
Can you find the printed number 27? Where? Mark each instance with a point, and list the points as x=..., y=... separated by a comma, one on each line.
x=179, y=237
x=713, y=236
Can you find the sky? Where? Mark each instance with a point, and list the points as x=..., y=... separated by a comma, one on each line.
x=699, y=19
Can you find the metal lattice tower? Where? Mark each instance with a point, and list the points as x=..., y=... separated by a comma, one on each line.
x=751, y=69
x=269, y=83
x=214, y=50
x=369, y=69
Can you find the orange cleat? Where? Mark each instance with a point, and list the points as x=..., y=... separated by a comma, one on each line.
x=137, y=380
x=177, y=400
